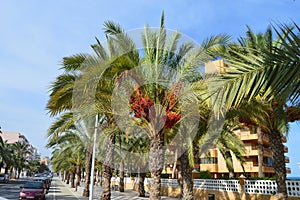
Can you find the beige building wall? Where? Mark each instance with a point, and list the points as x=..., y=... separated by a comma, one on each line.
x=13, y=137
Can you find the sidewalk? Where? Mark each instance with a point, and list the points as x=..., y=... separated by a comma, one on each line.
x=115, y=195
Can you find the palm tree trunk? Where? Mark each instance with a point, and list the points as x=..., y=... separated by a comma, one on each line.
x=6, y=170
x=19, y=172
x=187, y=179
x=88, y=165
x=109, y=161
x=77, y=177
x=260, y=153
x=68, y=177
x=72, y=179
x=156, y=164
x=175, y=163
x=277, y=149
x=141, y=189
x=101, y=181
x=13, y=174
x=121, y=184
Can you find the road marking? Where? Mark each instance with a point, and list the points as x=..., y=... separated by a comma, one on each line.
x=54, y=195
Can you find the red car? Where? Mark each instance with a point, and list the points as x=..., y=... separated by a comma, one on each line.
x=32, y=190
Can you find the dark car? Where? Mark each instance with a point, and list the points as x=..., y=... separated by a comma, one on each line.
x=44, y=180
x=4, y=178
x=32, y=190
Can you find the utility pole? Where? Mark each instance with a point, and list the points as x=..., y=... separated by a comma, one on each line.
x=93, y=159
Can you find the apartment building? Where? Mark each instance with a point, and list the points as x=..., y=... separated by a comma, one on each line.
x=258, y=157
x=216, y=164
x=13, y=137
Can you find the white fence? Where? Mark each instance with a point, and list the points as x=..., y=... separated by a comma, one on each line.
x=251, y=186
x=268, y=187
x=293, y=188
x=217, y=184
x=260, y=186
x=169, y=182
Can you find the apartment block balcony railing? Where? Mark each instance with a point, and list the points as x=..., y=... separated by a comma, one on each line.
x=285, y=149
x=287, y=159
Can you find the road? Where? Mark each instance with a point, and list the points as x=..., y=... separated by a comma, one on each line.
x=57, y=191
x=10, y=190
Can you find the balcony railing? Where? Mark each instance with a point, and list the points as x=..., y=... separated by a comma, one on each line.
x=283, y=139
x=286, y=159
x=285, y=149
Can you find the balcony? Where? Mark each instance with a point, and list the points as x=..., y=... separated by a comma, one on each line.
x=285, y=149
x=265, y=138
x=254, y=151
x=210, y=167
x=268, y=169
x=245, y=135
x=288, y=170
x=286, y=159
x=251, y=166
x=283, y=139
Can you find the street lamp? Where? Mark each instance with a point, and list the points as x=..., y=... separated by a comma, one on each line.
x=93, y=159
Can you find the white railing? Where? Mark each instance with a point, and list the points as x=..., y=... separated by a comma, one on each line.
x=217, y=184
x=293, y=188
x=169, y=182
x=261, y=187
x=268, y=187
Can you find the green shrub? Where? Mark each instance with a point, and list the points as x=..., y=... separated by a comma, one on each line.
x=204, y=175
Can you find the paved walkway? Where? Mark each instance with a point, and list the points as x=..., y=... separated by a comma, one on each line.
x=115, y=195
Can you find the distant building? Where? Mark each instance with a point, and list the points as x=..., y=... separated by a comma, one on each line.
x=37, y=155
x=13, y=137
x=45, y=160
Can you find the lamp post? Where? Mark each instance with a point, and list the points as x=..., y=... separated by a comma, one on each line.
x=93, y=159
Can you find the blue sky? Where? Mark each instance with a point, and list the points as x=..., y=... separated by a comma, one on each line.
x=35, y=35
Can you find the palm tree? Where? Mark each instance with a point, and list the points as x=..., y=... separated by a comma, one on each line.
x=33, y=167
x=80, y=128
x=70, y=143
x=228, y=143
x=19, y=151
x=63, y=88
x=260, y=67
x=5, y=153
x=161, y=55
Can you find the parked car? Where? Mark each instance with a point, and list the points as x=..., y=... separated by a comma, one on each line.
x=4, y=178
x=32, y=190
x=44, y=180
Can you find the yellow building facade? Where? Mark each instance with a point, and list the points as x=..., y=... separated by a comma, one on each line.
x=215, y=163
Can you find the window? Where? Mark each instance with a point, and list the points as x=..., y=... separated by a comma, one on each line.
x=268, y=162
x=209, y=160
